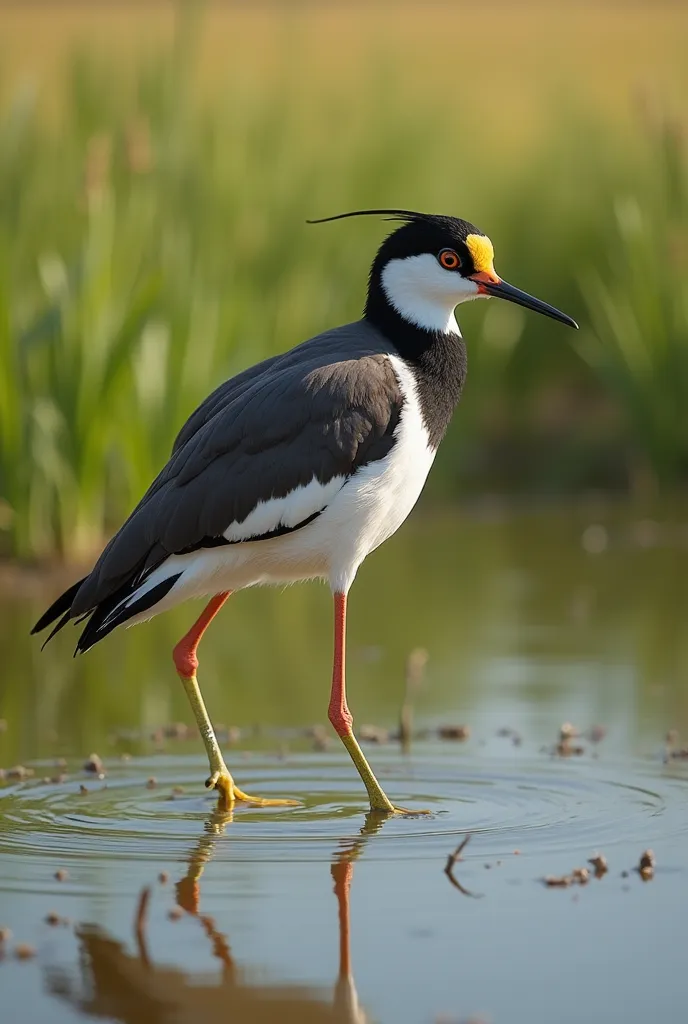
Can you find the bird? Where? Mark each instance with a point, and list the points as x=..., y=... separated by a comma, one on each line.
x=299, y=467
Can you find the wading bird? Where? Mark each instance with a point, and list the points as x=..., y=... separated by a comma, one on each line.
x=299, y=467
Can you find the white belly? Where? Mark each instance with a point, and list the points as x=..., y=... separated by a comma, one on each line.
x=364, y=512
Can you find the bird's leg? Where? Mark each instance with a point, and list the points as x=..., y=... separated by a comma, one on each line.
x=342, y=872
x=345, y=996
x=342, y=719
x=186, y=660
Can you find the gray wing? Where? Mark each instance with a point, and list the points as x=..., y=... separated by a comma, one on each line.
x=220, y=397
x=323, y=410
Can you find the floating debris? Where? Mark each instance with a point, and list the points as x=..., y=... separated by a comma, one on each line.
x=23, y=951
x=320, y=737
x=457, y=733
x=646, y=866
x=61, y=875
x=579, y=876
x=673, y=751
x=565, y=747
x=506, y=732
x=176, y=731
x=229, y=733
x=94, y=765
x=19, y=771
x=599, y=863
x=374, y=734
x=558, y=881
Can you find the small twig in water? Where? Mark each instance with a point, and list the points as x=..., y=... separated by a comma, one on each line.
x=453, y=859
x=140, y=925
x=415, y=670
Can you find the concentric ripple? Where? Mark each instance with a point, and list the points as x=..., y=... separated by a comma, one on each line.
x=526, y=803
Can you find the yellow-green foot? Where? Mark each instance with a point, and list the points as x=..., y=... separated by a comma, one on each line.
x=229, y=793
x=387, y=812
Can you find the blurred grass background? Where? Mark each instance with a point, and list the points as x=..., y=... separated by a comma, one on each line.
x=157, y=164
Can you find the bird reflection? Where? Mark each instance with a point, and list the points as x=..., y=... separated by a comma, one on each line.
x=129, y=987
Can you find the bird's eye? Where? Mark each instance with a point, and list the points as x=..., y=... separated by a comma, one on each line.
x=449, y=259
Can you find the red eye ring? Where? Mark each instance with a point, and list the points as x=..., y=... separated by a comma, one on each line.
x=449, y=259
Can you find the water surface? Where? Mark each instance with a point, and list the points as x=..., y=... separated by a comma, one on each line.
x=320, y=912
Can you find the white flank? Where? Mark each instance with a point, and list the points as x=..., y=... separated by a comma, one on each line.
x=290, y=510
x=426, y=294
x=380, y=496
x=357, y=517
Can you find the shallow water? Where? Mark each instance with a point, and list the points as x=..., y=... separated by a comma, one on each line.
x=319, y=912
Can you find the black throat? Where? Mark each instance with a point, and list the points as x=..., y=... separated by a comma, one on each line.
x=437, y=359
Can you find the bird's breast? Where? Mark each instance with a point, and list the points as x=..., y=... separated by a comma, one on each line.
x=378, y=497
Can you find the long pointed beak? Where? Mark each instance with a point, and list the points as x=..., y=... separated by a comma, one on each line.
x=489, y=284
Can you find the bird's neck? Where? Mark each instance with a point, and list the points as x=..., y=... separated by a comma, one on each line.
x=436, y=354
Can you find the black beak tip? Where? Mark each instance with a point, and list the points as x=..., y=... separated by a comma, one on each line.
x=504, y=290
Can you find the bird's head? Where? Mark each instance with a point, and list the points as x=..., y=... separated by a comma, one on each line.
x=430, y=264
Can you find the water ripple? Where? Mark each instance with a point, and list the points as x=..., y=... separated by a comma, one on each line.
x=527, y=803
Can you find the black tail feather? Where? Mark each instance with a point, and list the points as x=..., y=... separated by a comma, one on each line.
x=56, y=629
x=102, y=620
x=57, y=608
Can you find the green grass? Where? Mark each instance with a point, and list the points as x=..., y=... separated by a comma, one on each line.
x=153, y=242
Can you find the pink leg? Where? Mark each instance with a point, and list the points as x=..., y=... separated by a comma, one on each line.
x=338, y=711
x=342, y=873
x=341, y=717
x=184, y=654
x=186, y=660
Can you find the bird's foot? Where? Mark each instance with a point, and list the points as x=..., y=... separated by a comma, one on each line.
x=409, y=812
x=388, y=810
x=229, y=793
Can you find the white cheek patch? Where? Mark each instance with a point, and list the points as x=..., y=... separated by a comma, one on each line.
x=426, y=294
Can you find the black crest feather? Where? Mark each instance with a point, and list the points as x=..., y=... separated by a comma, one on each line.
x=403, y=215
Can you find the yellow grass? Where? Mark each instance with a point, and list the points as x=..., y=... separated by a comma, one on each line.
x=505, y=63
